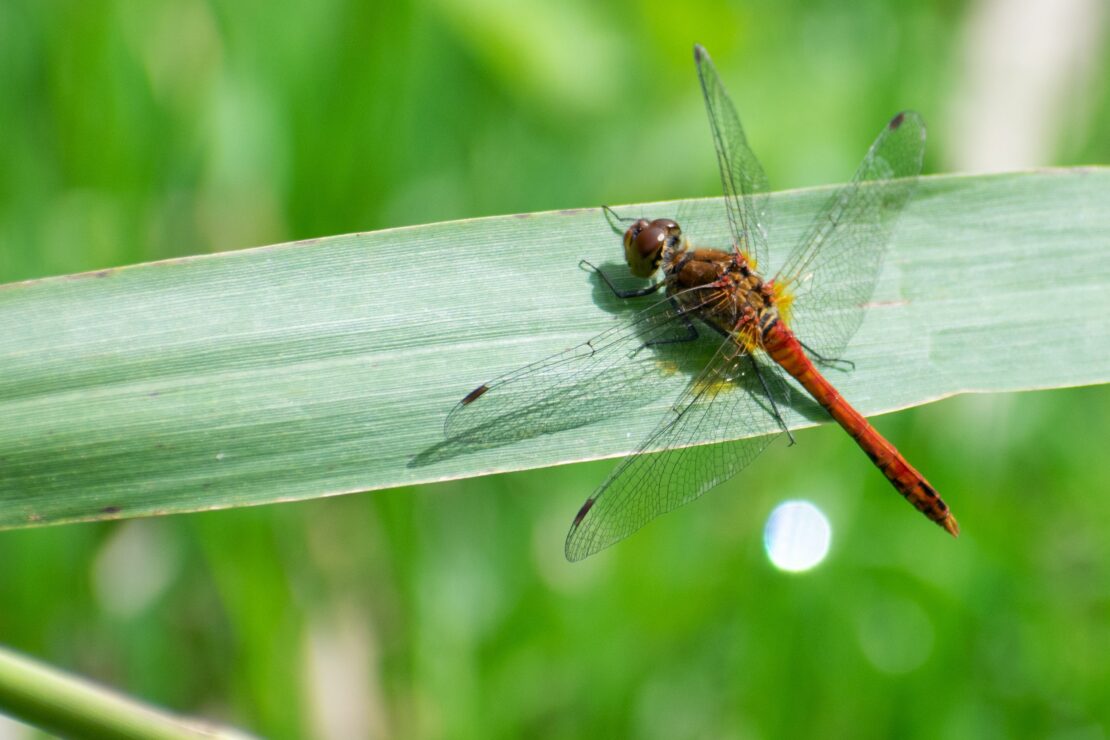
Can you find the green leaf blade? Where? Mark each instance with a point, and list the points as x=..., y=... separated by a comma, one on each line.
x=327, y=366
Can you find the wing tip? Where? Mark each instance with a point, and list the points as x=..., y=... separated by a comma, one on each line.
x=907, y=116
x=449, y=424
x=573, y=549
x=700, y=53
x=583, y=511
x=903, y=115
x=474, y=395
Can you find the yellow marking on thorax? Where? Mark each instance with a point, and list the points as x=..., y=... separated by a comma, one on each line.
x=784, y=301
x=749, y=337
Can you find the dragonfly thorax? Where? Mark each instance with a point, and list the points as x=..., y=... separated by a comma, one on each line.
x=721, y=289
x=718, y=286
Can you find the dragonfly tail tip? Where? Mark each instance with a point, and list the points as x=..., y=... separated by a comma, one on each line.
x=951, y=526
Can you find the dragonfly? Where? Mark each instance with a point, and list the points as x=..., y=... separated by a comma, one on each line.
x=797, y=321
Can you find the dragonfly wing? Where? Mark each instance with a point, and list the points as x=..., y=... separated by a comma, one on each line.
x=614, y=371
x=672, y=468
x=742, y=177
x=832, y=271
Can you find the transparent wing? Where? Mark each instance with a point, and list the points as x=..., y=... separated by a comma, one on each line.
x=742, y=177
x=832, y=272
x=727, y=396
x=612, y=372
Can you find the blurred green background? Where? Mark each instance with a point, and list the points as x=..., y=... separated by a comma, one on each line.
x=140, y=131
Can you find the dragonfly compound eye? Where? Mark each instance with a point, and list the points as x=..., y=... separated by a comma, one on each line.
x=634, y=231
x=671, y=229
x=643, y=247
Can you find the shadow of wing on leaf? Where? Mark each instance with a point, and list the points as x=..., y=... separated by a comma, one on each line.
x=611, y=373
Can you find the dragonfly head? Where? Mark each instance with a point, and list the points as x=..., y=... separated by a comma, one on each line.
x=645, y=241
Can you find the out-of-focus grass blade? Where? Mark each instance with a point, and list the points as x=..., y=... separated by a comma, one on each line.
x=327, y=366
x=61, y=703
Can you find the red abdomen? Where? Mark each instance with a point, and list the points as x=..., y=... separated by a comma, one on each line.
x=784, y=348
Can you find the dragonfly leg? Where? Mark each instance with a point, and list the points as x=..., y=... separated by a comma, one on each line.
x=611, y=215
x=635, y=293
x=831, y=361
x=774, y=406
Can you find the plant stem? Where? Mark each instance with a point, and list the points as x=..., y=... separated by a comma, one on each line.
x=71, y=706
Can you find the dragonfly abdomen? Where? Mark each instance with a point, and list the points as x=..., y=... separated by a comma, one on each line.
x=785, y=349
